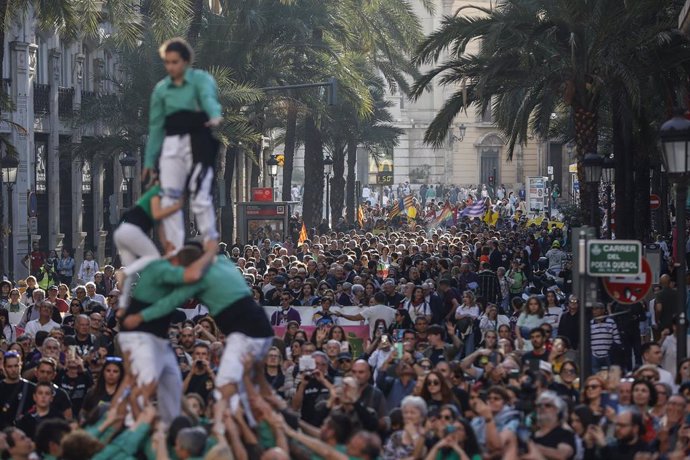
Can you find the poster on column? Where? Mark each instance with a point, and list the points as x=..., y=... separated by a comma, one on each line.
x=536, y=194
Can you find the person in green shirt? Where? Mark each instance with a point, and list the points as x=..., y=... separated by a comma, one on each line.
x=146, y=345
x=184, y=106
x=245, y=324
x=132, y=235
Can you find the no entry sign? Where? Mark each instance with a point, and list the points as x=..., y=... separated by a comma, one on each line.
x=654, y=201
x=630, y=289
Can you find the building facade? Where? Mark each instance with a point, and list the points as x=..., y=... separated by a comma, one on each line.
x=474, y=152
x=59, y=200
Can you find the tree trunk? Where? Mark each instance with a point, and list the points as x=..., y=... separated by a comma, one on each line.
x=195, y=25
x=622, y=148
x=338, y=183
x=313, y=170
x=257, y=149
x=645, y=147
x=226, y=170
x=351, y=175
x=586, y=124
x=290, y=140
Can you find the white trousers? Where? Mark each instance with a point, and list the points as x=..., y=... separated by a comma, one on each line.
x=134, y=246
x=176, y=168
x=152, y=359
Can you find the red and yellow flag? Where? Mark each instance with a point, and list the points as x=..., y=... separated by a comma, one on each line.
x=302, y=235
x=360, y=216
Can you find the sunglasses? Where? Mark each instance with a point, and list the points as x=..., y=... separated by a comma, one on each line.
x=447, y=417
x=113, y=359
x=592, y=387
x=433, y=382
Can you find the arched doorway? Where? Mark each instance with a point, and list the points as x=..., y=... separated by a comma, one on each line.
x=489, y=150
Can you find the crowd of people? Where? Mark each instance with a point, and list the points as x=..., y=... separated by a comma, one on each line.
x=470, y=354
x=256, y=351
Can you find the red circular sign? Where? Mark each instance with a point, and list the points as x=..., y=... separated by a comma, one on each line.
x=654, y=202
x=630, y=289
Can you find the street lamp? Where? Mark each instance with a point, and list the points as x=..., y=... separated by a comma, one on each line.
x=128, y=163
x=593, y=164
x=9, y=165
x=272, y=164
x=328, y=170
x=462, y=129
x=608, y=174
x=675, y=142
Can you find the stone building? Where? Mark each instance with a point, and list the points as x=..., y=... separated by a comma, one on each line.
x=58, y=200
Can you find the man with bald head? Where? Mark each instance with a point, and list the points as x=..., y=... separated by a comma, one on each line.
x=369, y=395
x=665, y=304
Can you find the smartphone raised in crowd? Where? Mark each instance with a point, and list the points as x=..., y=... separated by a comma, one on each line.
x=399, y=349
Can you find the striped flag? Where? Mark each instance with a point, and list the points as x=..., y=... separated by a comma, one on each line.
x=395, y=210
x=302, y=235
x=360, y=216
x=445, y=218
x=476, y=209
x=408, y=201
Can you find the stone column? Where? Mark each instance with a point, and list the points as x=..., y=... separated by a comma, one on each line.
x=78, y=236
x=23, y=65
x=97, y=197
x=53, y=161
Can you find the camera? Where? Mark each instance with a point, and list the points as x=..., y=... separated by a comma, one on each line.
x=199, y=364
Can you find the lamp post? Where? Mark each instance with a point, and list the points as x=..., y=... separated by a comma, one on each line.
x=608, y=173
x=9, y=165
x=593, y=164
x=328, y=170
x=272, y=164
x=128, y=163
x=675, y=140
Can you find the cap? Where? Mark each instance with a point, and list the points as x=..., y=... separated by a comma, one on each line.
x=52, y=288
x=556, y=244
x=345, y=356
x=114, y=292
x=279, y=279
x=545, y=367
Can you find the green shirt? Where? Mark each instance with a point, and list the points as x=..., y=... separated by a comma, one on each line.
x=145, y=201
x=220, y=287
x=197, y=91
x=157, y=275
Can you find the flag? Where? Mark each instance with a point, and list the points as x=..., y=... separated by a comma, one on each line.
x=491, y=217
x=445, y=218
x=408, y=201
x=360, y=216
x=474, y=210
x=302, y=235
x=395, y=210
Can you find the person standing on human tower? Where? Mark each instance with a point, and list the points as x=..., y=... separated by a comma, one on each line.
x=184, y=107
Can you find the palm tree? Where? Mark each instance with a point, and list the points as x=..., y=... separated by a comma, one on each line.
x=538, y=57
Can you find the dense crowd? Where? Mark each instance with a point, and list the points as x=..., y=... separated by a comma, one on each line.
x=471, y=353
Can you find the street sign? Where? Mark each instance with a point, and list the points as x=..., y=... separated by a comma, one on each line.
x=654, y=202
x=630, y=289
x=614, y=257
x=262, y=194
x=33, y=225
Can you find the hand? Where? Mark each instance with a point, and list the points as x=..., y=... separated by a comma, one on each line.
x=148, y=414
x=597, y=434
x=148, y=175
x=213, y=122
x=450, y=327
x=133, y=321
x=481, y=408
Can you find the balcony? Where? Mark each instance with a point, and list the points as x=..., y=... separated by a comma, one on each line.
x=41, y=99
x=65, y=102
x=87, y=97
